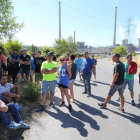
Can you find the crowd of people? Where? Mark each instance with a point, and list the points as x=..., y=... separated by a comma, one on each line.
x=51, y=74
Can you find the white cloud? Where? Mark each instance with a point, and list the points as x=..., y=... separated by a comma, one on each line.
x=122, y=32
x=138, y=27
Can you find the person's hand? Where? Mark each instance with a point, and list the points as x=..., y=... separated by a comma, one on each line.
x=111, y=85
x=3, y=108
x=18, y=97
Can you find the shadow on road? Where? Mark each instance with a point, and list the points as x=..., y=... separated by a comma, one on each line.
x=90, y=110
x=137, y=106
x=68, y=121
x=133, y=118
x=101, y=99
x=103, y=83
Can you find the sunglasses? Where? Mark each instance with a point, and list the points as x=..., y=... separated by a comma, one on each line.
x=62, y=60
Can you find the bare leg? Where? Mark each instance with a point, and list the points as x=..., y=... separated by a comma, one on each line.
x=31, y=78
x=51, y=97
x=132, y=95
x=107, y=99
x=95, y=77
x=38, y=82
x=43, y=99
x=67, y=95
x=122, y=101
x=27, y=77
x=62, y=94
x=18, y=79
x=71, y=91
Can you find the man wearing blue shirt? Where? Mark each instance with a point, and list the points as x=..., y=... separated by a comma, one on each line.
x=32, y=71
x=79, y=62
x=87, y=67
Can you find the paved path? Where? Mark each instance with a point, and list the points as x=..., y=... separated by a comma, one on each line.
x=87, y=121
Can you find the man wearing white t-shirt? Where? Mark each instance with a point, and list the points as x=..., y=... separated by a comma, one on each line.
x=6, y=94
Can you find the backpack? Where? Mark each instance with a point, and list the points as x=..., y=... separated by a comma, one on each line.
x=133, y=68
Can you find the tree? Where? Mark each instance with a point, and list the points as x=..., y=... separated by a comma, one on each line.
x=121, y=50
x=62, y=46
x=72, y=47
x=1, y=48
x=12, y=45
x=46, y=49
x=33, y=49
x=8, y=24
x=133, y=54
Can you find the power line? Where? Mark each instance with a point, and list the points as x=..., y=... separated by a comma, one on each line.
x=69, y=15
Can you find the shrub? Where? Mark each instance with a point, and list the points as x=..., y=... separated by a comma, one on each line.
x=32, y=91
x=121, y=50
x=133, y=54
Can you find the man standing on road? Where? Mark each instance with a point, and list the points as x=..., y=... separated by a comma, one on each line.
x=87, y=67
x=79, y=62
x=38, y=62
x=117, y=83
x=94, y=70
x=49, y=69
x=25, y=62
x=129, y=78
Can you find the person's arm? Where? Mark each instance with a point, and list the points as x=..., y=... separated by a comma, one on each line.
x=8, y=94
x=44, y=71
x=69, y=71
x=115, y=77
x=16, y=61
x=3, y=107
x=25, y=62
x=139, y=76
x=10, y=59
x=17, y=89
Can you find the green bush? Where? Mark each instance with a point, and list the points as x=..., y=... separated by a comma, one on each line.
x=32, y=91
x=133, y=54
x=121, y=50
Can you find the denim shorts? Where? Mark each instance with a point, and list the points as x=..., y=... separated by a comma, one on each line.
x=21, y=71
x=48, y=84
x=78, y=70
x=115, y=88
x=72, y=81
x=130, y=84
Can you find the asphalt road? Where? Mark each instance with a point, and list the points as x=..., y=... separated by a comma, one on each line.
x=87, y=120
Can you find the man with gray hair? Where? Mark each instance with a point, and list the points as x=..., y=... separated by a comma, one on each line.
x=117, y=83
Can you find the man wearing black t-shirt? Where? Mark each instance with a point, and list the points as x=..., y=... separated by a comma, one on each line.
x=38, y=62
x=117, y=83
x=25, y=62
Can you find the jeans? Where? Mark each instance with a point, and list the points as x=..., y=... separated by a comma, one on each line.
x=6, y=119
x=86, y=80
x=78, y=70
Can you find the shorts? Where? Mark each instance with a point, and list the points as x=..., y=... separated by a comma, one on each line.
x=50, y=84
x=94, y=71
x=21, y=71
x=10, y=71
x=4, y=67
x=72, y=81
x=2, y=98
x=78, y=70
x=130, y=84
x=63, y=86
x=115, y=88
x=32, y=72
x=38, y=76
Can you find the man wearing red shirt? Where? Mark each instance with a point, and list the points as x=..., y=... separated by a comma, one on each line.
x=68, y=56
x=3, y=61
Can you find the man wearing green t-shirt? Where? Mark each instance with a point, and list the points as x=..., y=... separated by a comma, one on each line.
x=129, y=79
x=48, y=69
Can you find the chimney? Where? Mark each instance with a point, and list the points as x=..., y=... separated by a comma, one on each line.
x=124, y=42
x=138, y=42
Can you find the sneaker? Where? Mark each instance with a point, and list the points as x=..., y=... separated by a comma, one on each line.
x=102, y=105
x=18, y=107
x=62, y=104
x=70, y=107
x=14, y=126
x=88, y=95
x=52, y=105
x=118, y=99
x=84, y=93
x=41, y=108
x=132, y=102
x=122, y=110
x=24, y=125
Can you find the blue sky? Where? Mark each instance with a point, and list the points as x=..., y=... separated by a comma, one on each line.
x=92, y=20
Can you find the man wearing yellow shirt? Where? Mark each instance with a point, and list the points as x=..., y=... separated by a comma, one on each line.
x=48, y=69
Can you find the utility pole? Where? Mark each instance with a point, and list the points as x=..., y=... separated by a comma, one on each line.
x=114, y=40
x=59, y=19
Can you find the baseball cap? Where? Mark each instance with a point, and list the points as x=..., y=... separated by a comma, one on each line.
x=49, y=53
x=24, y=49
